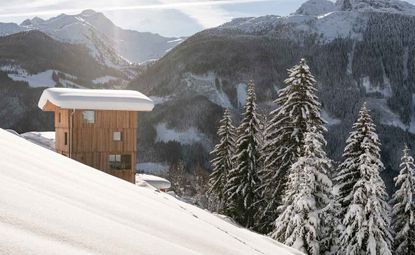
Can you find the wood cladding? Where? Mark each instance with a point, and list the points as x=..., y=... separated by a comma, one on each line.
x=62, y=123
x=92, y=143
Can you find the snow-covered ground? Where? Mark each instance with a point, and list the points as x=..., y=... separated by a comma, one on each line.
x=331, y=121
x=44, y=139
x=43, y=79
x=189, y=136
x=105, y=79
x=386, y=91
x=155, y=181
x=241, y=92
x=51, y=204
x=207, y=85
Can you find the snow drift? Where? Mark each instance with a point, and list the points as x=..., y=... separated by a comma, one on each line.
x=50, y=204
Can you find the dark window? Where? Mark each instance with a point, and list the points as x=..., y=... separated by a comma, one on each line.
x=60, y=117
x=119, y=162
x=66, y=138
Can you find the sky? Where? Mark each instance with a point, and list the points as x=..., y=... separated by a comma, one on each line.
x=166, y=17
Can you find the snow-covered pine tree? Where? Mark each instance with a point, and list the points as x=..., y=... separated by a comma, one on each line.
x=331, y=227
x=222, y=163
x=348, y=172
x=403, y=213
x=298, y=111
x=307, y=200
x=362, y=194
x=243, y=181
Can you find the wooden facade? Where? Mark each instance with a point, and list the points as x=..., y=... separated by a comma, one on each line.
x=108, y=143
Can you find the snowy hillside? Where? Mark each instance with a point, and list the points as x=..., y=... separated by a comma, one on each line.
x=316, y=7
x=51, y=204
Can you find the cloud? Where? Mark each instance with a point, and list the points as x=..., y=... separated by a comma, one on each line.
x=167, y=17
x=185, y=6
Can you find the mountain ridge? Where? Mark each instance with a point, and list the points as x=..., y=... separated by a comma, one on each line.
x=108, y=43
x=396, y=6
x=355, y=55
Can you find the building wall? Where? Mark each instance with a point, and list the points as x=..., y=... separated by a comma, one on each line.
x=62, y=121
x=92, y=144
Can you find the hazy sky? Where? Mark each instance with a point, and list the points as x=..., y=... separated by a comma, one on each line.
x=167, y=17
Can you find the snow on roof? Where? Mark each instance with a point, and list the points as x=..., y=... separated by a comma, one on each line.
x=51, y=204
x=155, y=181
x=96, y=99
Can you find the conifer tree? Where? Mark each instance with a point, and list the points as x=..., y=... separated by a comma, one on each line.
x=298, y=111
x=243, y=181
x=331, y=227
x=403, y=213
x=222, y=163
x=307, y=201
x=362, y=194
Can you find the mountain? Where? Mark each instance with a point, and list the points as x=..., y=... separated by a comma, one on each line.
x=390, y=6
x=10, y=28
x=51, y=204
x=316, y=7
x=108, y=43
x=361, y=50
x=32, y=60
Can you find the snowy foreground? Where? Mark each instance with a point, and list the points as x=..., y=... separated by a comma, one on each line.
x=50, y=204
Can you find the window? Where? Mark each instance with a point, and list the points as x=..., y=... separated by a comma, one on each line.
x=88, y=117
x=66, y=138
x=119, y=162
x=60, y=117
x=117, y=136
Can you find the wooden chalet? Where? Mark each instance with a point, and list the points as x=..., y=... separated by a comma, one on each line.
x=97, y=127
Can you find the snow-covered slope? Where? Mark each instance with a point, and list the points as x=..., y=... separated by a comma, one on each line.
x=316, y=7
x=329, y=21
x=111, y=45
x=328, y=26
x=51, y=204
x=390, y=6
x=76, y=29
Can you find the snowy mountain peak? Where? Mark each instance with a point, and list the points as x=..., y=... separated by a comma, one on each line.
x=316, y=7
x=392, y=6
x=32, y=22
x=88, y=12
